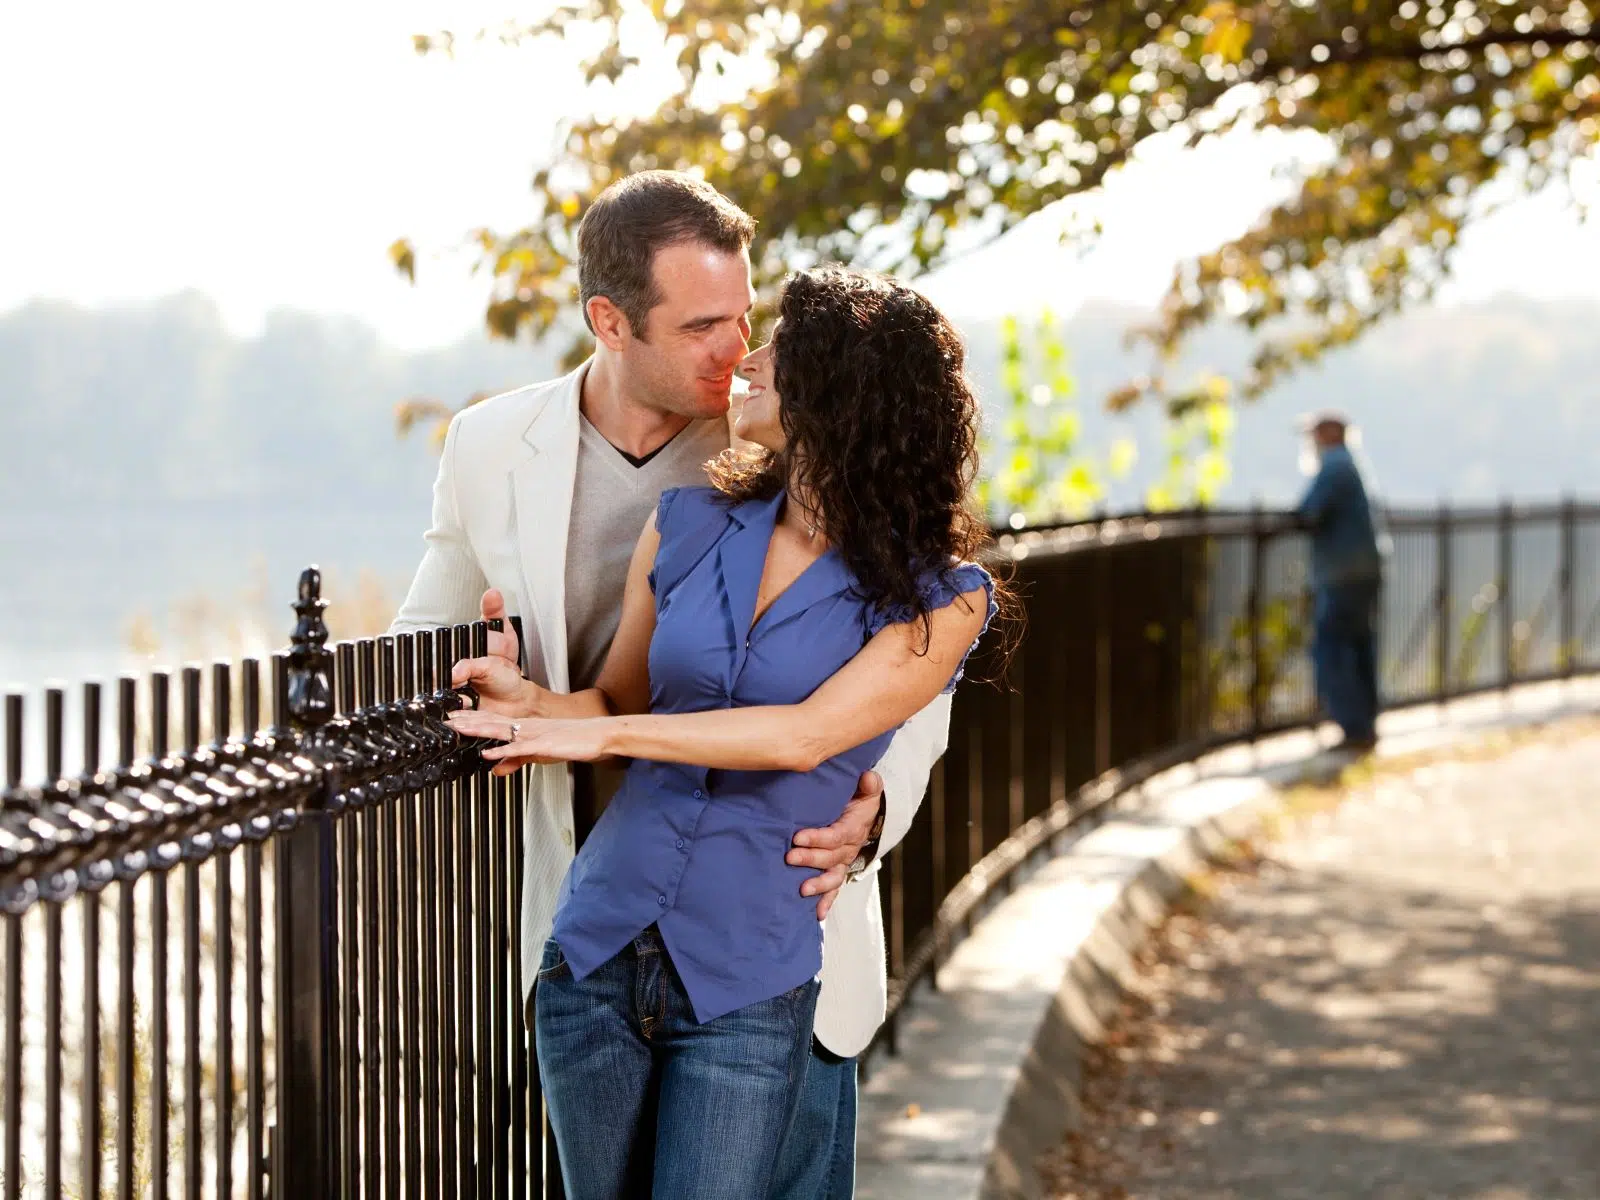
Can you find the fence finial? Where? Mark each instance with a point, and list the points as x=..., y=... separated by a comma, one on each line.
x=310, y=660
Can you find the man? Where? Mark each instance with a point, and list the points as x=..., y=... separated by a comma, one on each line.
x=539, y=501
x=1346, y=575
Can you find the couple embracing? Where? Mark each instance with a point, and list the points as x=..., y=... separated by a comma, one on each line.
x=749, y=649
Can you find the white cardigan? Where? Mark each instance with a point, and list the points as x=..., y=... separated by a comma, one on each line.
x=501, y=506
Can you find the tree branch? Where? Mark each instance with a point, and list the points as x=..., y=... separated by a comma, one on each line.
x=1362, y=54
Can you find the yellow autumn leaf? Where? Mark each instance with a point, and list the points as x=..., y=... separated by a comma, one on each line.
x=1080, y=487
x=404, y=258
x=1230, y=33
x=1124, y=454
x=1543, y=81
x=1219, y=421
x=1211, y=475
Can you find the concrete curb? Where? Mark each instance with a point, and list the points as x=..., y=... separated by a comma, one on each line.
x=990, y=1075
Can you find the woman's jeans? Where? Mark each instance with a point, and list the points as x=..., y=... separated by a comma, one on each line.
x=645, y=1100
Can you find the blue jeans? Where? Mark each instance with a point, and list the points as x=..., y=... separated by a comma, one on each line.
x=645, y=1100
x=819, y=1155
x=1344, y=654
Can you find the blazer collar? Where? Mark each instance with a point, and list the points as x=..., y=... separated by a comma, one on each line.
x=541, y=485
x=555, y=422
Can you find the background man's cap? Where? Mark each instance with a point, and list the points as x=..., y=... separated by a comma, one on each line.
x=1323, y=416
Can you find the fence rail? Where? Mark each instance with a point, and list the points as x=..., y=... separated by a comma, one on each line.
x=277, y=959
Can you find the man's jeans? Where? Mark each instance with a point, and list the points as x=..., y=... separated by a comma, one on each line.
x=1344, y=654
x=819, y=1156
x=639, y=1091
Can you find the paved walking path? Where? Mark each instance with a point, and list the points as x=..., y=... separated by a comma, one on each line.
x=1401, y=999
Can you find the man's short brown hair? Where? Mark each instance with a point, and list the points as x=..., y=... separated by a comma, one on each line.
x=638, y=215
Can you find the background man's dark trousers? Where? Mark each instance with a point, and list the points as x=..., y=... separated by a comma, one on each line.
x=1344, y=655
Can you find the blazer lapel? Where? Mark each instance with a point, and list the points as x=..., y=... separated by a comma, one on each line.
x=541, y=485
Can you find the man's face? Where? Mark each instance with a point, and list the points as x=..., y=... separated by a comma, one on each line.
x=1327, y=434
x=696, y=336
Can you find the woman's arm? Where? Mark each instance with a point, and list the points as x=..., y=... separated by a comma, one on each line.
x=624, y=683
x=875, y=691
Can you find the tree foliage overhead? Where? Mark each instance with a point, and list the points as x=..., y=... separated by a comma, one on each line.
x=873, y=131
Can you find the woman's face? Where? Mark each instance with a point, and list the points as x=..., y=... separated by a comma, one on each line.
x=758, y=417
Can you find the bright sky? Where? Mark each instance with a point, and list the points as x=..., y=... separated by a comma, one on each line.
x=268, y=155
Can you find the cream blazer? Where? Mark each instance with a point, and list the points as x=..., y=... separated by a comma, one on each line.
x=502, y=503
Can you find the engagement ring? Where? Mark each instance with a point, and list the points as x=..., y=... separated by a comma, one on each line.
x=513, y=736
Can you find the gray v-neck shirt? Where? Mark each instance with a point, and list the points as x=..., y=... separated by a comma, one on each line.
x=611, y=498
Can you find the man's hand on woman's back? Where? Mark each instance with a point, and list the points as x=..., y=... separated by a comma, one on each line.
x=831, y=850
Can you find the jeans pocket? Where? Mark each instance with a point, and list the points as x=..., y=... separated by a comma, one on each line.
x=553, y=964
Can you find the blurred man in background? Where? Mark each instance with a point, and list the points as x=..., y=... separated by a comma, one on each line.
x=1346, y=576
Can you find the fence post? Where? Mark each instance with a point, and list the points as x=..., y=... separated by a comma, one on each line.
x=1569, y=606
x=1508, y=616
x=303, y=702
x=1258, y=547
x=1441, y=604
x=1204, y=551
x=1102, y=656
x=14, y=1091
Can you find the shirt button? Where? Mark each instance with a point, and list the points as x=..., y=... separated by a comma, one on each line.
x=699, y=795
x=566, y=837
x=661, y=900
x=680, y=843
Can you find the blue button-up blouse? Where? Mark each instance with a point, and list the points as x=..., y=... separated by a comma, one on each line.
x=697, y=852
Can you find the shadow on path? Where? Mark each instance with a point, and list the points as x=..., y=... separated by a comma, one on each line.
x=1333, y=1029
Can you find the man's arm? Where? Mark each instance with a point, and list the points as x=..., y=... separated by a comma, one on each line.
x=1319, y=497
x=905, y=768
x=449, y=583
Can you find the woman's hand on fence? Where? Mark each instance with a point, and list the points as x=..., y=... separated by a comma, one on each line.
x=535, y=739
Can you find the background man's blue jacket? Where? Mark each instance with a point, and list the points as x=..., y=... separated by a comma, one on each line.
x=1344, y=544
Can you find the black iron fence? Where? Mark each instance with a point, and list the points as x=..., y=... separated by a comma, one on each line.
x=1154, y=639
x=275, y=957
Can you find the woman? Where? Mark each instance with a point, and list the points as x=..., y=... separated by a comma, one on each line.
x=776, y=629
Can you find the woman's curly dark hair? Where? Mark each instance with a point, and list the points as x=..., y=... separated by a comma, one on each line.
x=881, y=428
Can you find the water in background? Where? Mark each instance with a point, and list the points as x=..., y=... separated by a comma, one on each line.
x=92, y=592
x=73, y=583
